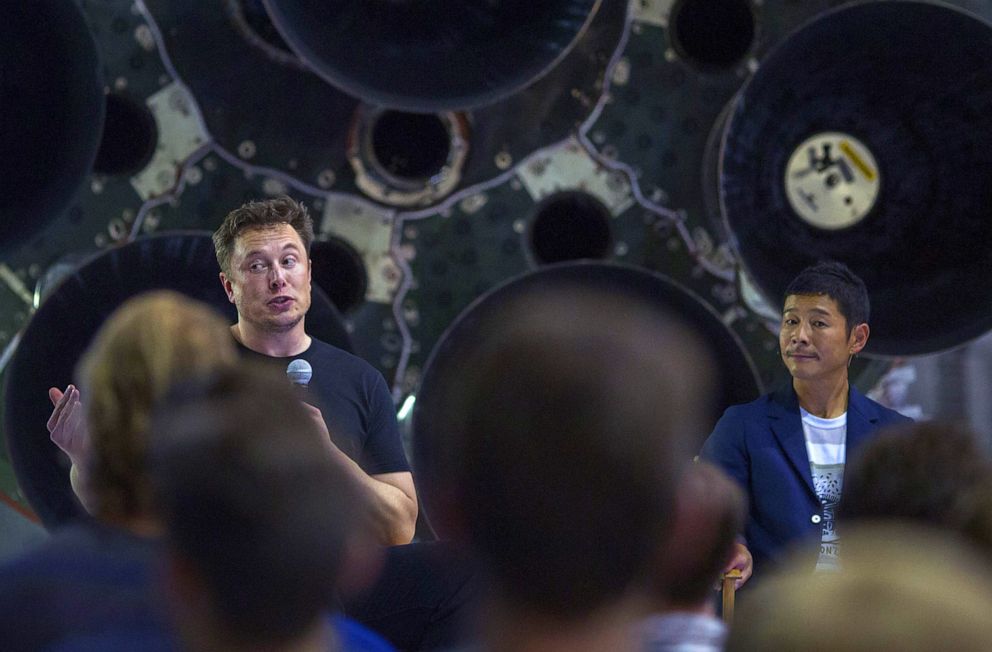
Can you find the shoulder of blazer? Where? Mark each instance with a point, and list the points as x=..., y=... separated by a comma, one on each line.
x=751, y=412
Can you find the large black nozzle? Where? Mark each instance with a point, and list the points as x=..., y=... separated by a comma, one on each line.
x=865, y=138
x=53, y=110
x=431, y=56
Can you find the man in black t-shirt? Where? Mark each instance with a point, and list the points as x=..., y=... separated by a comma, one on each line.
x=263, y=251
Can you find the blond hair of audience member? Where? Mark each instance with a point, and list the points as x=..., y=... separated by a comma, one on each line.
x=900, y=588
x=148, y=344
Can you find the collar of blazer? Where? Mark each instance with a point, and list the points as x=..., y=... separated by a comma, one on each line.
x=787, y=426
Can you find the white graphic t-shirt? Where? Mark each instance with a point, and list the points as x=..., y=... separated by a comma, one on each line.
x=826, y=446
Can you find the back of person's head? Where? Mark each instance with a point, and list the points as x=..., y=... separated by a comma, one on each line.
x=710, y=513
x=900, y=589
x=838, y=282
x=930, y=472
x=146, y=345
x=563, y=436
x=254, y=504
x=261, y=214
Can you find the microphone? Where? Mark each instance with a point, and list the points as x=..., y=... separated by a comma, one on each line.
x=300, y=372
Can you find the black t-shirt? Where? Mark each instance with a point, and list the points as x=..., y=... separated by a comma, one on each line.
x=355, y=401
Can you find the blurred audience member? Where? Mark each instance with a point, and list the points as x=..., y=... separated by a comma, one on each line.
x=563, y=436
x=98, y=574
x=97, y=585
x=710, y=511
x=258, y=515
x=935, y=474
x=900, y=589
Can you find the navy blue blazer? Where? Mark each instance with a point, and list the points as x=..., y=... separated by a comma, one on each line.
x=761, y=445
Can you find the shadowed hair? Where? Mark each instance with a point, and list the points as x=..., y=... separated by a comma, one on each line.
x=838, y=282
x=934, y=473
x=262, y=214
x=562, y=438
x=148, y=344
x=711, y=510
x=253, y=501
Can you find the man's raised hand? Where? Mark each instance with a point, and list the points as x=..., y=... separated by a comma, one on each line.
x=67, y=425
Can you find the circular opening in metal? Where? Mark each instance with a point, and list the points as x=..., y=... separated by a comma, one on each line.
x=832, y=180
x=712, y=33
x=571, y=226
x=409, y=147
x=340, y=272
x=407, y=159
x=130, y=136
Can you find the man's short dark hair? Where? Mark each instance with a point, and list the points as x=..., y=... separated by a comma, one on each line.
x=838, y=282
x=260, y=215
x=928, y=472
x=563, y=434
x=252, y=501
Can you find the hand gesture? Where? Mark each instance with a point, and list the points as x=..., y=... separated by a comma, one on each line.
x=67, y=425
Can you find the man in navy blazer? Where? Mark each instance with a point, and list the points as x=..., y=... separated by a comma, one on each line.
x=787, y=449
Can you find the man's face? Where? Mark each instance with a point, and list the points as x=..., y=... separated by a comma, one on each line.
x=269, y=278
x=813, y=338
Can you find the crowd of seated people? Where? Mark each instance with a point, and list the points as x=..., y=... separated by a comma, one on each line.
x=220, y=515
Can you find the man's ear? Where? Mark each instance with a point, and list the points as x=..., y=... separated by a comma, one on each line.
x=859, y=337
x=228, y=288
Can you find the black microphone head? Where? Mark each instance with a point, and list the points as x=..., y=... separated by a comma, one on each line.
x=299, y=372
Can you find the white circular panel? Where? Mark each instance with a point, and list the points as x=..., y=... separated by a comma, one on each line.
x=832, y=180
